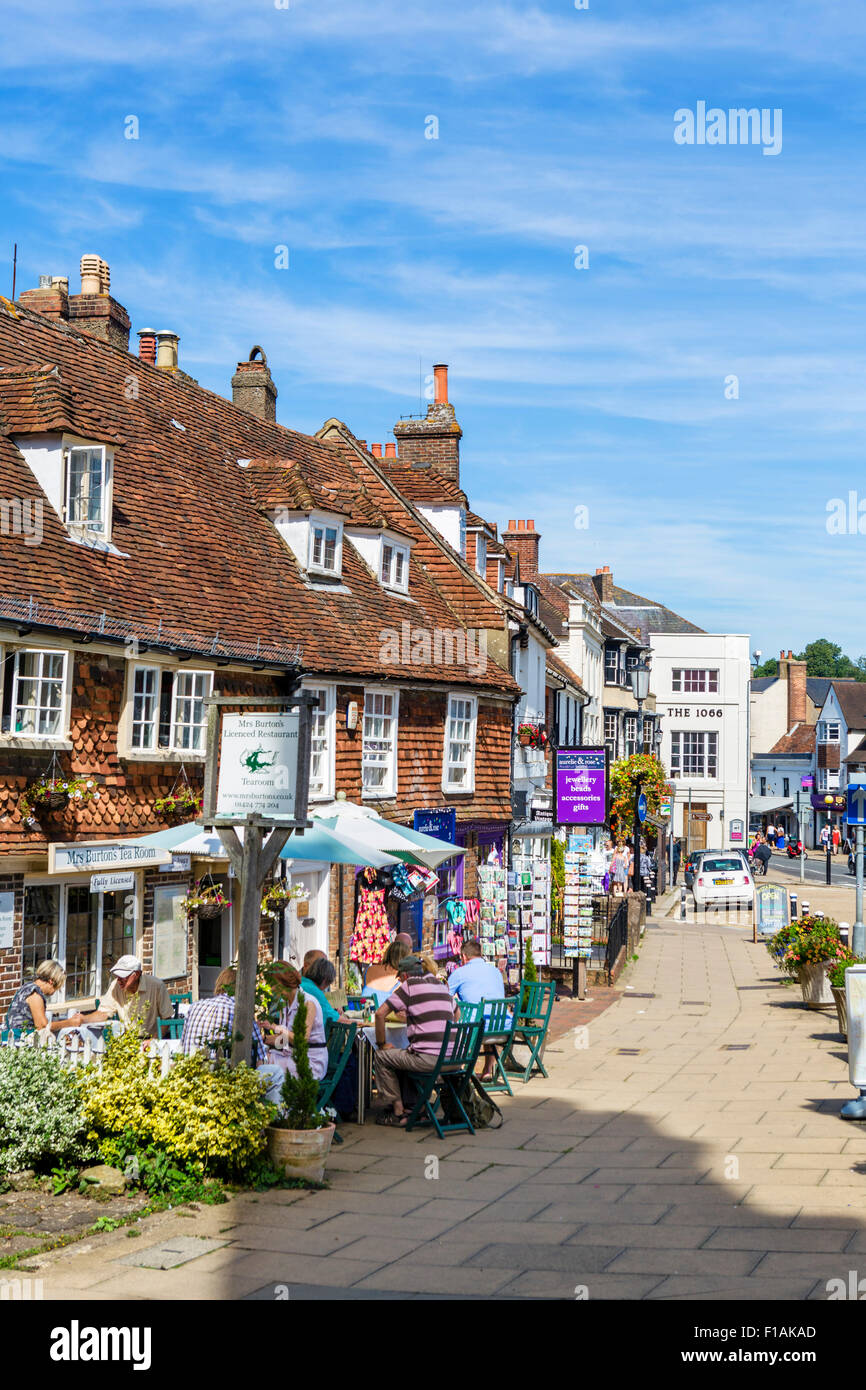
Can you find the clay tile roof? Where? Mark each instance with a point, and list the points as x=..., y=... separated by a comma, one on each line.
x=852, y=702
x=425, y=484
x=34, y=400
x=799, y=739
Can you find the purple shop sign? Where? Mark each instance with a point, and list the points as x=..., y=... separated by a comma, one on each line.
x=581, y=786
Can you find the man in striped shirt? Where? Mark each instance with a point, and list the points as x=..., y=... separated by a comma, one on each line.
x=428, y=1008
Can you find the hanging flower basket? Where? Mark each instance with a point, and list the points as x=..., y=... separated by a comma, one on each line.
x=181, y=805
x=206, y=900
x=531, y=736
x=279, y=894
x=52, y=793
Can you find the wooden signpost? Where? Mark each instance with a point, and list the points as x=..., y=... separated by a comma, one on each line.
x=257, y=774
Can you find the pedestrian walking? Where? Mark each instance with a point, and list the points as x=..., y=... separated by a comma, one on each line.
x=771, y=836
x=837, y=839
x=677, y=854
x=825, y=838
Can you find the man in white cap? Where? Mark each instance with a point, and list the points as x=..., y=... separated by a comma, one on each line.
x=134, y=997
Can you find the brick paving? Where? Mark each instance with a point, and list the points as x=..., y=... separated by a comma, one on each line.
x=692, y=1150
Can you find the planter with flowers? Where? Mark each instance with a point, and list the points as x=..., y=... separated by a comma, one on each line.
x=53, y=793
x=532, y=736
x=181, y=805
x=806, y=951
x=837, y=985
x=205, y=900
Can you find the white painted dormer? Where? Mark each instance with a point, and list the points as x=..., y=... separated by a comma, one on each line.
x=76, y=475
x=315, y=539
x=385, y=553
x=450, y=522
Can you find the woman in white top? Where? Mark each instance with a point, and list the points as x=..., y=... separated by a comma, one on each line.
x=279, y=1036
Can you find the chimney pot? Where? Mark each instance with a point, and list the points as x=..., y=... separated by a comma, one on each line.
x=376, y=450
x=95, y=275
x=521, y=525
x=530, y=525
x=390, y=451
x=166, y=348
x=512, y=525
x=147, y=345
x=440, y=379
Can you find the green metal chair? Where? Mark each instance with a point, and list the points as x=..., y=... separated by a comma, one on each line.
x=341, y=1040
x=500, y=1020
x=9, y=1035
x=534, y=1007
x=453, y=1071
x=469, y=1013
x=178, y=999
x=170, y=1027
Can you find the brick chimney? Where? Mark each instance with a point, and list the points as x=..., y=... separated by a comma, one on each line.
x=93, y=311
x=523, y=540
x=433, y=442
x=253, y=389
x=602, y=582
x=50, y=299
x=794, y=673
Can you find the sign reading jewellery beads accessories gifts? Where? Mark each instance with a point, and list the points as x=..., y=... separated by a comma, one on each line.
x=581, y=786
x=580, y=860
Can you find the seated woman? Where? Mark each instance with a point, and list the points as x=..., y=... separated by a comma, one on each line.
x=278, y=1036
x=27, y=1010
x=382, y=979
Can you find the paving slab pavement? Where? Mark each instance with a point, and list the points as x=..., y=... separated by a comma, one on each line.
x=687, y=1171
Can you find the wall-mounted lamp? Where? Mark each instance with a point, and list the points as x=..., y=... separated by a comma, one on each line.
x=352, y=715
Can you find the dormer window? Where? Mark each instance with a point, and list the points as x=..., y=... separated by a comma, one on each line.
x=326, y=547
x=87, y=488
x=394, y=572
x=481, y=554
x=530, y=600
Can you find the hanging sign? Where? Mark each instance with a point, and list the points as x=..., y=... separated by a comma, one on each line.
x=112, y=883
x=441, y=824
x=89, y=856
x=7, y=921
x=258, y=766
x=581, y=786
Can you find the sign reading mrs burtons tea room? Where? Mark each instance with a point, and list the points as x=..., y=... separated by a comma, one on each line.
x=258, y=766
x=87, y=856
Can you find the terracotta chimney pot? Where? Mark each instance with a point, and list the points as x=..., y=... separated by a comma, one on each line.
x=440, y=379
x=376, y=450
x=390, y=451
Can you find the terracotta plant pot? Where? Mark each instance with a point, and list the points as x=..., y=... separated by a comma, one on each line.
x=815, y=984
x=841, y=1010
x=300, y=1153
x=524, y=740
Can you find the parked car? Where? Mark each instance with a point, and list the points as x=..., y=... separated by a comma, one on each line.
x=691, y=866
x=722, y=879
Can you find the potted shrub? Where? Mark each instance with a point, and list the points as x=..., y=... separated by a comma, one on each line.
x=837, y=985
x=300, y=1139
x=182, y=805
x=49, y=793
x=806, y=951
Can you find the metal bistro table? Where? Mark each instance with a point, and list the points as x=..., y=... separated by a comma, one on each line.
x=398, y=1035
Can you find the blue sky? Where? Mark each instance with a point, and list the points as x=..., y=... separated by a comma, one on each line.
x=605, y=387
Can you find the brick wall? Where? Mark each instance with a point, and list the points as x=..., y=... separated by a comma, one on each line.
x=144, y=945
x=10, y=958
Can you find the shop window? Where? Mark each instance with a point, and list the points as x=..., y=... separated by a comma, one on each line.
x=41, y=926
x=82, y=929
x=34, y=693
x=168, y=709
x=379, y=750
x=458, y=774
x=118, y=934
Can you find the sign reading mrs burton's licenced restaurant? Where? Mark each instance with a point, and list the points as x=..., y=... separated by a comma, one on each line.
x=581, y=786
x=258, y=766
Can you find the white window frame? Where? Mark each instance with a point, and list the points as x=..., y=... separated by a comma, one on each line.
x=174, y=746
x=84, y=528
x=448, y=783
x=15, y=677
x=388, y=786
x=131, y=904
x=480, y=554
x=325, y=524
x=829, y=731
x=707, y=749
x=397, y=552
x=828, y=779
x=324, y=725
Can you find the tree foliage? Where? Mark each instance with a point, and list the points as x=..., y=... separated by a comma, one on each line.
x=822, y=658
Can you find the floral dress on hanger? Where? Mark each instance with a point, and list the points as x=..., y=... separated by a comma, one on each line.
x=372, y=933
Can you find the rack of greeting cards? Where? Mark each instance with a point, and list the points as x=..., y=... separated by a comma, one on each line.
x=582, y=883
x=528, y=904
x=493, y=924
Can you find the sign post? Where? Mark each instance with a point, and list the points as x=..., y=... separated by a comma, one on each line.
x=257, y=774
x=856, y=816
x=581, y=796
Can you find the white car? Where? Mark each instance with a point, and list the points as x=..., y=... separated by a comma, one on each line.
x=721, y=880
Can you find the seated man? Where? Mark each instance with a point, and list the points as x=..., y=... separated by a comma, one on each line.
x=428, y=1008
x=474, y=980
x=209, y=1023
x=133, y=996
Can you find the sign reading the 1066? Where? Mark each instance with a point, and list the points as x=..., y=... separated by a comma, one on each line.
x=258, y=766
